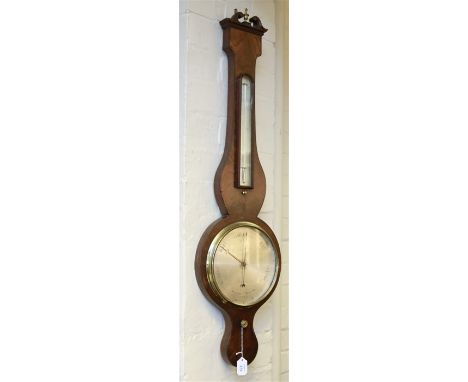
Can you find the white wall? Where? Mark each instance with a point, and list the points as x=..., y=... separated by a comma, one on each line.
x=282, y=112
x=203, y=102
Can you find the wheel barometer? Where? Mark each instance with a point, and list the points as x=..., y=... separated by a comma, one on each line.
x=238, y=258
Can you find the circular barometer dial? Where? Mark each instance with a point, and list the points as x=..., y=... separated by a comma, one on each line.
x=242, y=264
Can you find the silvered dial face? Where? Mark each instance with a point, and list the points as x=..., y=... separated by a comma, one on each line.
x=242, y=264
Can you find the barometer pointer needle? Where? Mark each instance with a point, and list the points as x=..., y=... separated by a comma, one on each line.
x=229, y=253
x=243, y=263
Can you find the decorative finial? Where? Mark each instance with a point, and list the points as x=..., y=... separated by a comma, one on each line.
x=254, y=22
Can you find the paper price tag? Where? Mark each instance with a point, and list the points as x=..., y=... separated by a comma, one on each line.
x=241, y=366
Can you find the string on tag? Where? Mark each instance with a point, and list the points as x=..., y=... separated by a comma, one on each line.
x=243, y=325
x=242, y=362
x=242, y=341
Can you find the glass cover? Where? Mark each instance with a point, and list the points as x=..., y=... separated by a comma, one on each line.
x=245, y=162
x=245, y=265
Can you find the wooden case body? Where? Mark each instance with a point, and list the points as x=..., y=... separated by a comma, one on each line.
x=242, y=43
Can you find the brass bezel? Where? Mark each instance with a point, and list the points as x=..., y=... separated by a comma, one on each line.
x=212, y=252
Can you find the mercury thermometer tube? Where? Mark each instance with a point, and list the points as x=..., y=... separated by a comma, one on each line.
x=245, y=162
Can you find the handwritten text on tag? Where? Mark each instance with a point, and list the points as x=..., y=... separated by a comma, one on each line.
x=241, y=366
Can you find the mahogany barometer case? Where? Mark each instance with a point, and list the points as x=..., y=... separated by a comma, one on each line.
x=238, y=259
